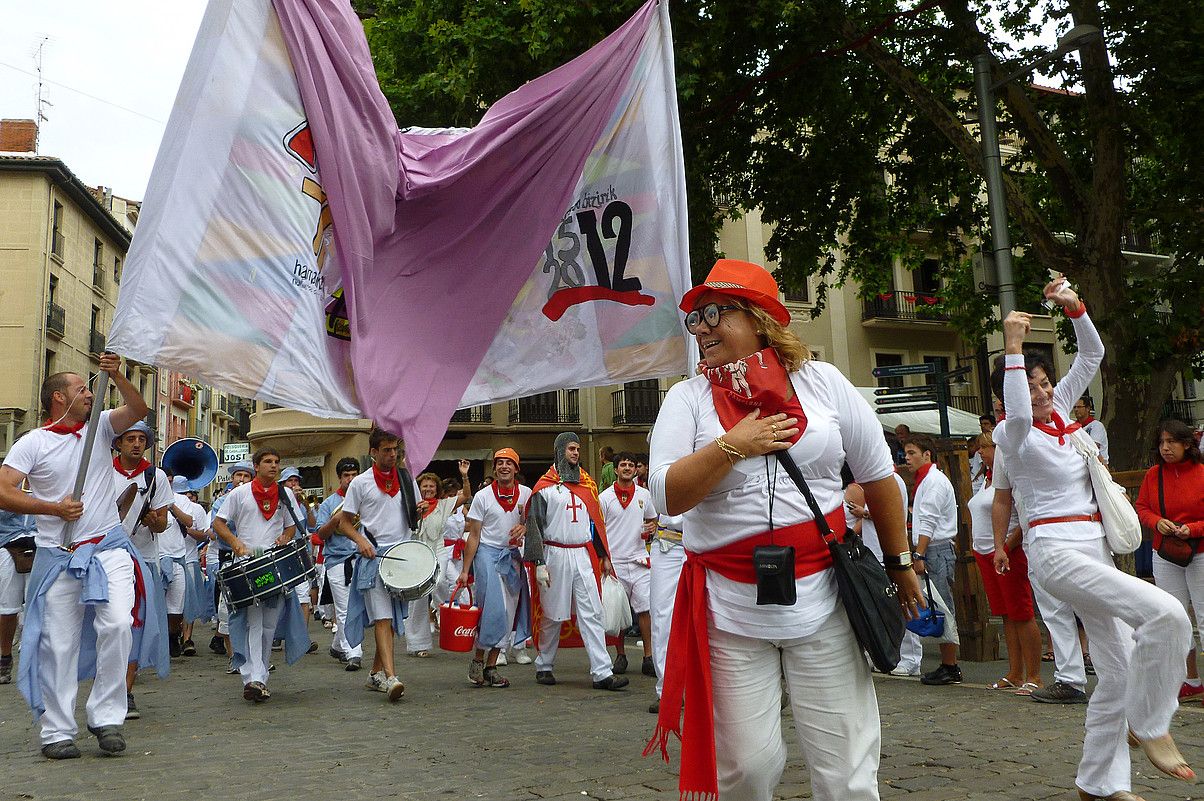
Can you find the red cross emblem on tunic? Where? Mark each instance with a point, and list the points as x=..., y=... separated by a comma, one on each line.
x=573, y=506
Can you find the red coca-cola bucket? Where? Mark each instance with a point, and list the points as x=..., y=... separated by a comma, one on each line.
x=458, y=625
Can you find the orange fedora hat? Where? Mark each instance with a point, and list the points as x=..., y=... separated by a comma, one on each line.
x=742, y=279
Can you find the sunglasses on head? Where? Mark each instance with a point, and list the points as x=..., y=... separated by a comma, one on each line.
x=709, y=314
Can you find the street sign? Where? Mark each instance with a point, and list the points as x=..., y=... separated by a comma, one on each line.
x=898, y=391
x=919, y=407
x=904, y=399
x=893, y=371
x=236, y=452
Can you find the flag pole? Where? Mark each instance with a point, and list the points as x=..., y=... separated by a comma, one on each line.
x=98, y=402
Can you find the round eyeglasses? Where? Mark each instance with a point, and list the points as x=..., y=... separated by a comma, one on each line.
x=709, y=314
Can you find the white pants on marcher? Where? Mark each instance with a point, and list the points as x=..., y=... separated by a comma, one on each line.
x=911, y=651
x=418, y=625
x=261, y=629
x=1058, y=617
x=1186, y=584
x=662, y=592
x=573, y=585
x=174, y=592
x=1139, y=638
x=58, y=650
x=339, y=591
x=834, y=707
x=12, y=585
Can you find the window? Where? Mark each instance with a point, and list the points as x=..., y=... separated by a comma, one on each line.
x=1189, y=387
x=54, y=287
x=95, y=320
x=800, y=293
x=48, y=366
x=98, y=254
x=889, y=360
x=116, y=269
x=56, y=237
x=942, y=366
x=927, y=279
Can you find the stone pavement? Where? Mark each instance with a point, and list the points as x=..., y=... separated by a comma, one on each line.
x=323, y=735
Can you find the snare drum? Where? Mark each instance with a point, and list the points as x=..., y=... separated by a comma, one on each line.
x=250, y=580
x=409, y=570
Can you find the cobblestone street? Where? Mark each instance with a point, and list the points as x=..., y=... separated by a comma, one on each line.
x=323, y=735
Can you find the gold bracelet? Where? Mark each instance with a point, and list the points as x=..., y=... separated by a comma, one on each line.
x=732, y=454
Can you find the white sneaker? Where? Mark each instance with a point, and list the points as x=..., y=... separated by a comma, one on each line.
x=501, y=659
x=906, y=671
x=376, y=681
x=393, y=687
x=521, y=657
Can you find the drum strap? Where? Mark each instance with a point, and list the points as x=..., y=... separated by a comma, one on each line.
x=301, y=530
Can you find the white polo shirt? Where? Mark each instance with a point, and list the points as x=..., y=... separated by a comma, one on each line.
x=625, y=525
x=50, y=461
x=495, y=521
x=241, y=509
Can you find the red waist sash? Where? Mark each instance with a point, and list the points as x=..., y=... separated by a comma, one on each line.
x=688, y=664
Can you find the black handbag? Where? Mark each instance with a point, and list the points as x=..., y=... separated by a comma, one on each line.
x=1174, y=550
x=867, y=593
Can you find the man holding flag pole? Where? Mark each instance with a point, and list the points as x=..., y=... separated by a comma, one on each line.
x=87, y=579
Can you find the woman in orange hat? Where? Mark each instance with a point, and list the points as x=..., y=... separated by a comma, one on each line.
x=758, y=393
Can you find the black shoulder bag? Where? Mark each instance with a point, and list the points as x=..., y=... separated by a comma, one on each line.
x=868, y=594
x=1174, y=550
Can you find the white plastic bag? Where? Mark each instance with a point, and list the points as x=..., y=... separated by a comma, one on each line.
x=1118, y=517
x=616, y=612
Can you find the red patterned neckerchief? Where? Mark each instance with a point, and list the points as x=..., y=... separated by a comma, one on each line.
x=1058, y=428
x=387, y=483
x=138, y=470
x=65, y=428
x=624, y=495
x=507, y=502
x=758, y=381
x=266, y=498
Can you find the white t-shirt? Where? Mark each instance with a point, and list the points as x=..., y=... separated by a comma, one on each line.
x=566, y=519
x=981, y=527
x=379, y=513
x=495, y=521
x=1095, y=429
x=934, y=510
x=50, y=461
x=145, y=540
x=200, y=522
x=240, y=508
x=840, y=427
x=625, y=527
x=453, y=526
x=171, y=541
x=978, y=475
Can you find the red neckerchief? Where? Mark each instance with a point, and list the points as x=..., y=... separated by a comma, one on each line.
x=142, y=465
x=507, y=502
x=387, y=483
x=1088, y=421
x=987, y=473
x=342, y=493
x=266, y=498
x=688, y=664
x=431, y=506
x=758, y=381
x=1059, y=428
x=65, y=428
x=921, y=474
x=624, y=495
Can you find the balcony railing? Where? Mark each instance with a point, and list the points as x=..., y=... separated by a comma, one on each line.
x=474, y=414
x=636, y=406
x=1189, y=411
x=57, y=243
x=903, y=306
x=182, y=396
x=56, y=319
x=967, y=403
x=547, y=407
x=96, y=342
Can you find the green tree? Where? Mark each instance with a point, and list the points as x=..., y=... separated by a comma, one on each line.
x=852, y=126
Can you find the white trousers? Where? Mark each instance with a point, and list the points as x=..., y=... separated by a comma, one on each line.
x=572, y=566
x=12, y=585
x=834, y=708
x=418, y=625
x=1186, y=584
x=261, y=628
x=1058, y=617
x=911, y=652
x=662, y=592
x=339, y=591
x=59, y=650
x=1139, y=637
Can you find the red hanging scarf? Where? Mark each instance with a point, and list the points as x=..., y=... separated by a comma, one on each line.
x=507, y=502
x=387, y=483
x=266, y=498
x=65, y=428
x=921, y=474
x=624, y=495
x=142, y=466
x=1057, y=427
x=758, y=381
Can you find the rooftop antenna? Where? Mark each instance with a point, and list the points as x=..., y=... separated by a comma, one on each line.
x=42, y=101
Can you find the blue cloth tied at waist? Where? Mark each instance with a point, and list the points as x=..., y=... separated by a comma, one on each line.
x=363, y=579
x=290, y=627
x=493, y=569
x=150, y=639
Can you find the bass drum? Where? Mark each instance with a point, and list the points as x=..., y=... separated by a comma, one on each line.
x=409, y=570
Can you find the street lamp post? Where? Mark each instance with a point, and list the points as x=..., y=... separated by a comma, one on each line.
x=1001, y=245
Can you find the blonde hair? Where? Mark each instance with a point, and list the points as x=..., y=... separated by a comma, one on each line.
x=789, y=347
x=985, y=440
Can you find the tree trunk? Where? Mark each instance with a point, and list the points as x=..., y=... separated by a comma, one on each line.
x=1132, y=410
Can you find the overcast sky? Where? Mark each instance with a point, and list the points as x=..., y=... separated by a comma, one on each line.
x=100, y=59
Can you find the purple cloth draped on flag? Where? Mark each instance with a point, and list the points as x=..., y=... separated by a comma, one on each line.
x=436, y=242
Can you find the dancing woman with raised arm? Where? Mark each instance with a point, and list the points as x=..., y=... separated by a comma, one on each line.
x=1139, y=634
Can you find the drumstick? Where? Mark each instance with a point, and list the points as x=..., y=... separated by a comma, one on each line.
x=394, y=558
